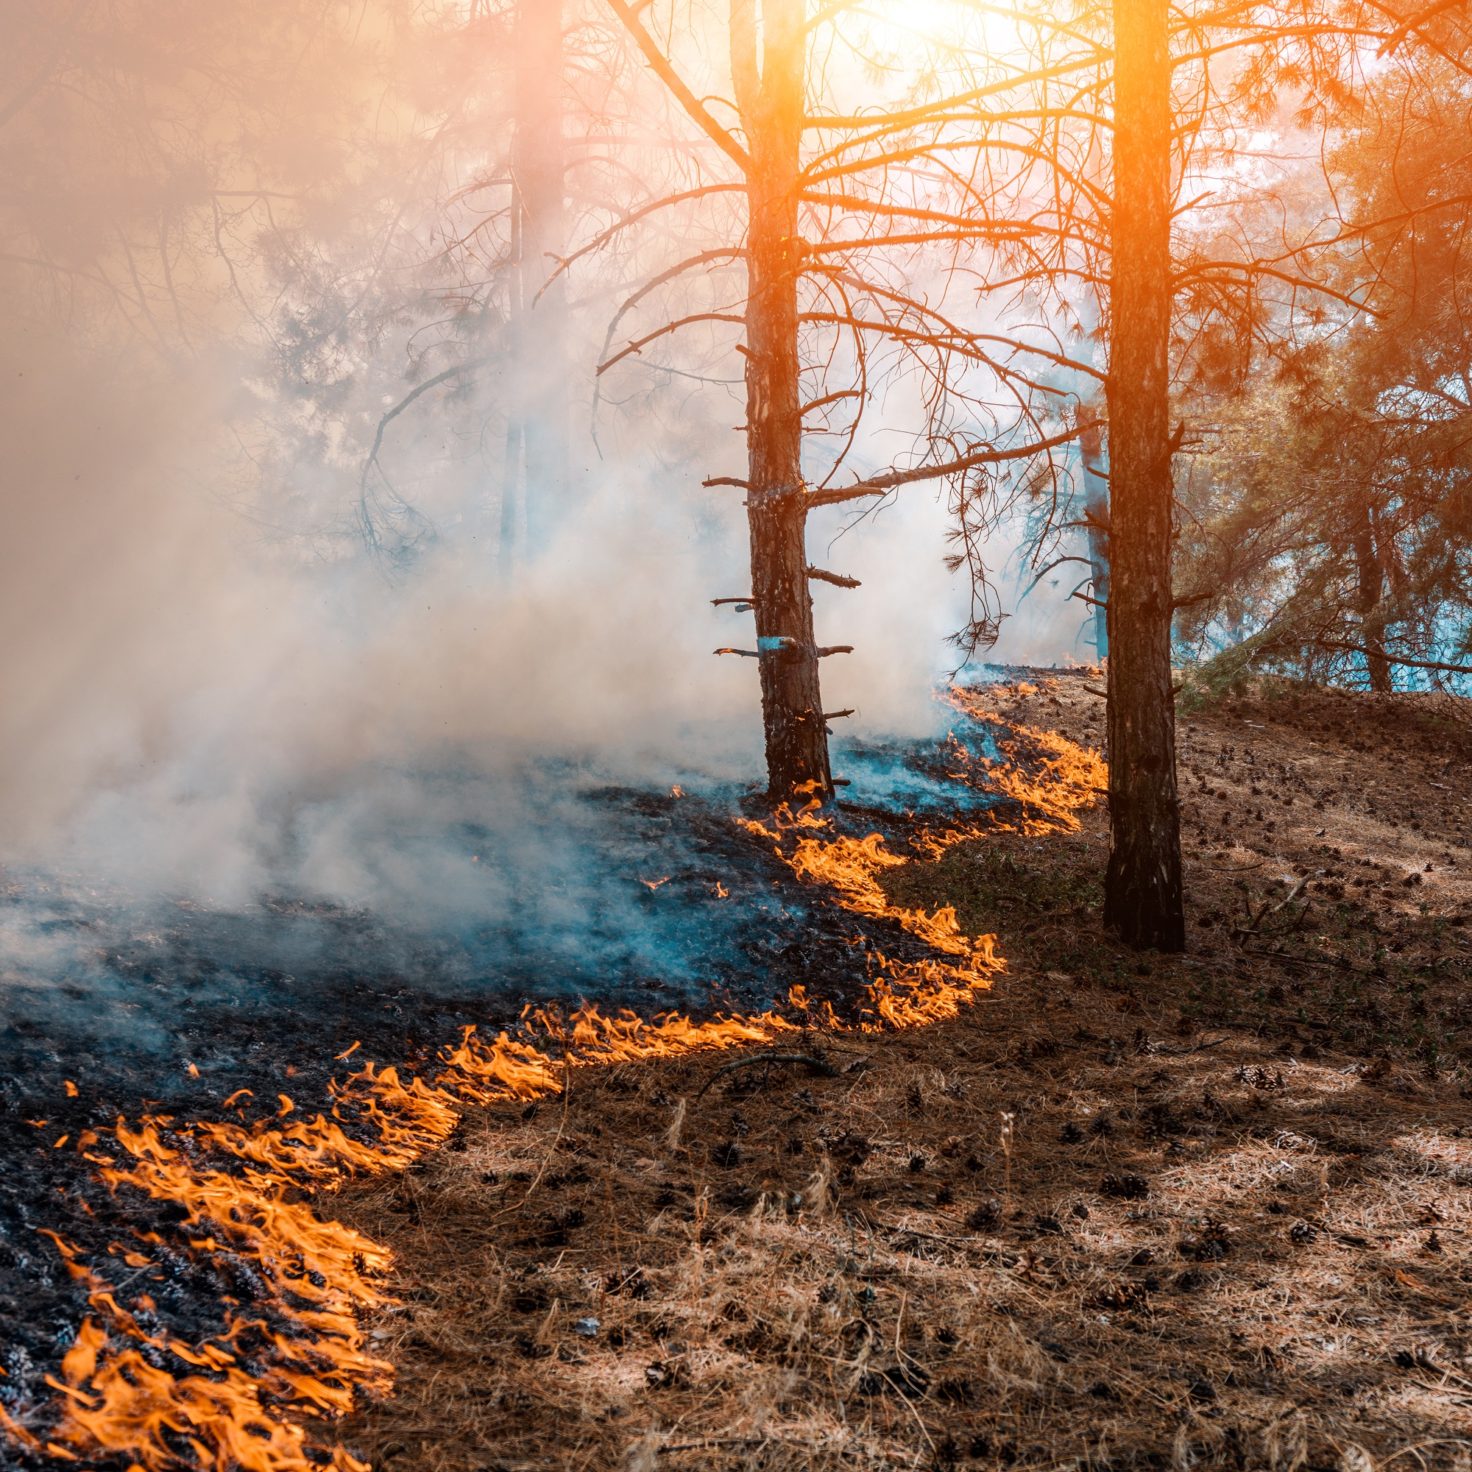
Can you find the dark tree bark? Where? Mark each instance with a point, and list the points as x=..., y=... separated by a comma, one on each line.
x=769, y=65
x=539, y=481
x=770, y=44
x=1096, y=521
x=1370, y=590
x=1143, y=895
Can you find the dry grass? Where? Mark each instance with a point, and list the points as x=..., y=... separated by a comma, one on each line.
x=1122, y=1215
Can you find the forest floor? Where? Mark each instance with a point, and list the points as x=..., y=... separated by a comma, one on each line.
x=1126, y=1212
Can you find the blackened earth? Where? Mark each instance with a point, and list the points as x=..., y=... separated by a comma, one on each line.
x=652, y=902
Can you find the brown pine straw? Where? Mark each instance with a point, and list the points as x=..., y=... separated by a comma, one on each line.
x=241, y=1187
x=1123, y=1212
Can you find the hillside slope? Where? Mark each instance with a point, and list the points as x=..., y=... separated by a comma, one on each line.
x=1124, y=1213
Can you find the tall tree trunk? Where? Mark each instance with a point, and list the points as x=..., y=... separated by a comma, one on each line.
x=771, y=94
x=1370, y=576
x=1143, y=896
x=540, y=410
x=1096, y=521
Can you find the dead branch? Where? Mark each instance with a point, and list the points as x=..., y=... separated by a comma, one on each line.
x=907, y=117
x=880, y=485
x=826, y=399
x=632, y=217
x=837, y=579
x=660, y=64
x=638, y=345
x=1412, y=664
x=1268, y=909
x=711, y=1443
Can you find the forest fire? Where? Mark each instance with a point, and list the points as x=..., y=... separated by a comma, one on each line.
x=241, y=1203
x=1050, y=777
x=406, y=399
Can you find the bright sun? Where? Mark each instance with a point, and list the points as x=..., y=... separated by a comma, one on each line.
x=923, y=31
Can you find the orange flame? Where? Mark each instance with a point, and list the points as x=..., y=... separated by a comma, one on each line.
x=238, y=1187
x=1053, y=778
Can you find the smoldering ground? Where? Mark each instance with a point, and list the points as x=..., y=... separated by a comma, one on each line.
x=266, y=811
x=265, y=800
x=237, y=776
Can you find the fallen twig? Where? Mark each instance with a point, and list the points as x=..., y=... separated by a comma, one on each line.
x=1288, y=956
x=818, y=1065
x=979, y=1245
x=1254, y=927
x=1186, y=1052
x=711, y=1443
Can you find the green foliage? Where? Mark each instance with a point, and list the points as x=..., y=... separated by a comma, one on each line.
x=1328, y=518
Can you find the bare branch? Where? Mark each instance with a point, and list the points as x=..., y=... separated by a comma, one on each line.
x=660, y=64
x=880, y=485
x=639, y=344
x=837, y=579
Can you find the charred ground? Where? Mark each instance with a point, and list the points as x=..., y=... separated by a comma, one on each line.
x=200, y=1014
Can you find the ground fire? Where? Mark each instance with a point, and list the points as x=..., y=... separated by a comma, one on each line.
x=734, y=736
x=248, y=1202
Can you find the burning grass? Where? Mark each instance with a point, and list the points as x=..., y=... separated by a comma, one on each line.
x=1147, y=1215
x=291, y=1345
x=1122, y=1213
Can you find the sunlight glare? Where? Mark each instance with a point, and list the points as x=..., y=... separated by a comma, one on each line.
x=925, y=34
